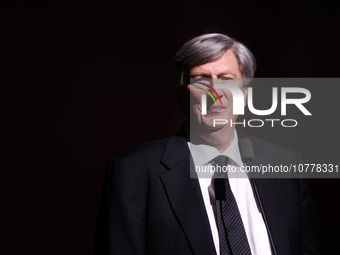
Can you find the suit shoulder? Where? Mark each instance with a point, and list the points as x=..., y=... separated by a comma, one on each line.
x=149, y=149
x=153, y=148
x=148, y=154
x=275, y=152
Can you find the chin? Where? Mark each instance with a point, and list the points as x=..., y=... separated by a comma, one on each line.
x=210, y=127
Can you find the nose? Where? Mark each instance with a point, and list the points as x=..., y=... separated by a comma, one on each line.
x=218, y=91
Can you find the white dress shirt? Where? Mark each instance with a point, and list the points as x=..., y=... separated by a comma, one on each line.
x=255, y=228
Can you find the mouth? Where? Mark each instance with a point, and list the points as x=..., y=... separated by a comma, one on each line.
x=215, y=108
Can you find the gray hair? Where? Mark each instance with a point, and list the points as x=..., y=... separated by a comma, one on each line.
x=207, y=48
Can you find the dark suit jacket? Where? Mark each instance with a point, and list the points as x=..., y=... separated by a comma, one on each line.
x=150, y=205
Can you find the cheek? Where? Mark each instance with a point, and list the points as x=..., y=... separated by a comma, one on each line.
x=196, y=96
x=228, y=97
x=196, y=108
x=195, y=114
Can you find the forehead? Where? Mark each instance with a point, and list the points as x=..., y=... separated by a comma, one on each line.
x=227, y=64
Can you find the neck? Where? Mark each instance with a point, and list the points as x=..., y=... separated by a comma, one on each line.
x=220, y=139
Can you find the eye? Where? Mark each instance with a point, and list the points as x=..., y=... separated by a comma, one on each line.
x=200, y=81
x=227, y=78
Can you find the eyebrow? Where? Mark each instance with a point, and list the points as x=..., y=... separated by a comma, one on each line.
x=207, y=75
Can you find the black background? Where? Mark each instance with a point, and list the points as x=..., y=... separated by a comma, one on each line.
x=84, y=81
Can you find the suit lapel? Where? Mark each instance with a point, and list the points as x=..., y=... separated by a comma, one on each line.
x=268, y=193
x=185, y=197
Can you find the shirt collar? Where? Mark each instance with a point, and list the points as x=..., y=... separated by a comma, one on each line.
x=203, y=153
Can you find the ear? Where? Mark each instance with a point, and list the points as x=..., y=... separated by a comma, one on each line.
x=189, y=87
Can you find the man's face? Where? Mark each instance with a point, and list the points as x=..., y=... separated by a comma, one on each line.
x=225, y=70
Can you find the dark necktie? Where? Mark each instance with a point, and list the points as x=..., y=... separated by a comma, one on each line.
x=233, y=239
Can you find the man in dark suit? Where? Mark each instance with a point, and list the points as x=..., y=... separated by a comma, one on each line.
x=153, y=204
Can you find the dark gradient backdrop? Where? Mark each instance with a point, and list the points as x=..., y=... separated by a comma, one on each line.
x=83, y=81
